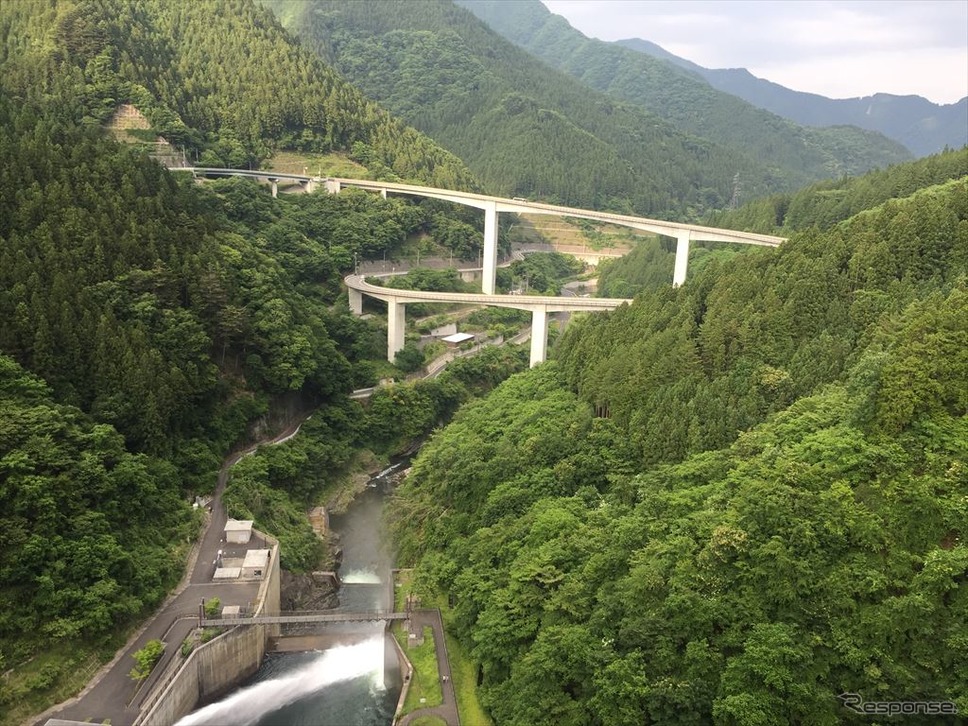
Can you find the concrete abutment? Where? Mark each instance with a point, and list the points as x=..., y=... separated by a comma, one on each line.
x=214, y=668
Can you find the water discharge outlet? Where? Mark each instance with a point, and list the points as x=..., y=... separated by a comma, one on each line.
x=341, y=663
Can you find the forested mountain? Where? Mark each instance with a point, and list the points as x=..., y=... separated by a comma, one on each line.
x=527, y=130
x=821, y=205
x=162, y=323
x=687, y=102
x=728, y=502
x=917, y=123
x=824, y=204
x=146, y=321
x=219, y=77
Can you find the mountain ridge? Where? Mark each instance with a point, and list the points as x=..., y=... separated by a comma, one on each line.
x=528, y=129
x=683, y=99
x=918, y=123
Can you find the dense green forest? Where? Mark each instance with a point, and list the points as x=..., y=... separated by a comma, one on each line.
x=220, y=78
x=689, y=103
x=728, y=502
x=820, y=205
x=527, y=130
x=278, y=484
x=731, y=500
x=824, y=204
x=147, y=321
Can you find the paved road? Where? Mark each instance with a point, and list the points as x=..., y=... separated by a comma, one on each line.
x=447, y=710
x=112, y=694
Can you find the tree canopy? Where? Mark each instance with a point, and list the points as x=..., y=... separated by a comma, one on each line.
x=728, y=502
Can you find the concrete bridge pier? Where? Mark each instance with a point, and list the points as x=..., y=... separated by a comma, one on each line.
x=356, y=301
x=310, y=185
x=332, y=186
x=682, y=258
x=275, y=186
x=489, y=276
x=383, y=193
x=539, y=335
x=396, y=328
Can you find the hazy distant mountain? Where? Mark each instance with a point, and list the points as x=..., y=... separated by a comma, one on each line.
x=526, y=129
x=922, y=126
x=685, y=99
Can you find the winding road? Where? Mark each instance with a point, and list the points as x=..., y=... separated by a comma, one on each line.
x=112, y=696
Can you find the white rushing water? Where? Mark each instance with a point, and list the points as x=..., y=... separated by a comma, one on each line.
x=336, y=664
x=361, y=577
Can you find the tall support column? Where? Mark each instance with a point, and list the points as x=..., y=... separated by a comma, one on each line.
x=489, y=277
x=332, y=186
x=356, y=301
x=396, y=328
x=682, y=259
x=383, y=193
x=275, y=187
x=539, y=336
x=310, y=186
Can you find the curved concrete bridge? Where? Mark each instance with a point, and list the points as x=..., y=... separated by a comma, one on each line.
x=538, y=305
x=492, y=206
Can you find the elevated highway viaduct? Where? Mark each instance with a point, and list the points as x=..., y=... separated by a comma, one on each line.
x=539, y=306
x=492, y=206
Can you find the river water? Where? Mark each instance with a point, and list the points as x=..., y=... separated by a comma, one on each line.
x=355, y=684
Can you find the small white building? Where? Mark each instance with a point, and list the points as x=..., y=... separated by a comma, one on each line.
x=255, y=564
x=238, y=531
x=456, y=339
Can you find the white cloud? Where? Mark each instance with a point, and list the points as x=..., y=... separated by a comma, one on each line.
x=840, y=48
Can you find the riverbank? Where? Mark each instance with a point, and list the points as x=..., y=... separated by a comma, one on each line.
x=460, y=669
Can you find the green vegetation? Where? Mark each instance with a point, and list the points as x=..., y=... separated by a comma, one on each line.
x=213, y=608
x=336, y=164
x=57, y=673
x=540, y=273
x=79, y=559
x=821, y=205
x=647, y=266
x=827, y=203
x=730, y=500
x=146, y=658
x=147, y=321
x=187, y=646
x=428, y=721
x=463, y=669
x=528, y=130
x=276, y=485
x=676, y=95
x=424, y=691
x=219, y=78
x=922, y=126
x=464, y=672
x=726, y=502
x=496, y=321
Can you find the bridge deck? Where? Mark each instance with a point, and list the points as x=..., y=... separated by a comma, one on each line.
x=345, y=617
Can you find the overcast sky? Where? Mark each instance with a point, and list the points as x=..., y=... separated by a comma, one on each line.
x=837, y=48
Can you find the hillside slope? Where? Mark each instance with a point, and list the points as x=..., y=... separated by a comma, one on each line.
x=917, y=123
x=219, y=77
x=527, y=130
x=728, y=502
x=149, y=324
x=686, y=101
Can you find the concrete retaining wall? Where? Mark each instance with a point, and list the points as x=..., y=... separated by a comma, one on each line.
x=219, y=665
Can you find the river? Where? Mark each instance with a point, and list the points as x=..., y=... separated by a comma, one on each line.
x=355, y=684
